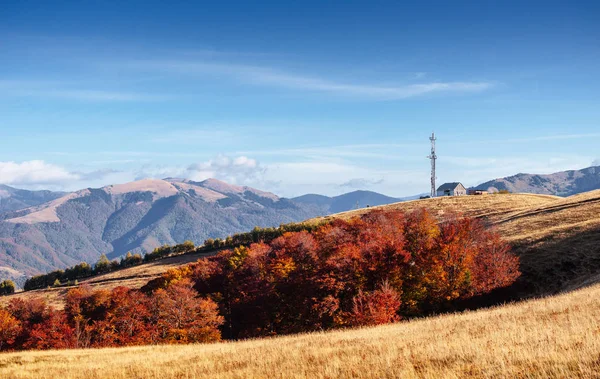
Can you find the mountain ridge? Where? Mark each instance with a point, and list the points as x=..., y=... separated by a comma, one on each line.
x=12, y=199
x=562, y=183
x=348, y=201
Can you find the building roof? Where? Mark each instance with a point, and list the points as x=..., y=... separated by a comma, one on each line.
x=449, y=186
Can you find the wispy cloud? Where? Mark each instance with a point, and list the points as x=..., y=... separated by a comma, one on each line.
x=556, y=137
x=191, y=136
x=342, y=151
x=57, y=90
x=276, y=78
x=361, y=183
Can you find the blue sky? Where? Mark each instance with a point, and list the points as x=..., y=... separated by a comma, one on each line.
x=296, y=98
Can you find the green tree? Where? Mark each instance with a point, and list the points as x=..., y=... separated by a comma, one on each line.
x=103, y=265
x=7, y=287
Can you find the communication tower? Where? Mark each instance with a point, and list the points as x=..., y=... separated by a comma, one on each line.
x=432, y=157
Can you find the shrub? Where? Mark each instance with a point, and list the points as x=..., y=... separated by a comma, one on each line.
x=7, y=287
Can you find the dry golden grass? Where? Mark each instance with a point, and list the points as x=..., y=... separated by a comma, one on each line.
x=554, y=337
x=490, y=206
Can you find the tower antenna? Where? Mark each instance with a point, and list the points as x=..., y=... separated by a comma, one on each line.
x=432, y=157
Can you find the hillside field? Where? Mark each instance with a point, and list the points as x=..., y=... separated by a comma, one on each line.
x=551, y=337
x=557, y=239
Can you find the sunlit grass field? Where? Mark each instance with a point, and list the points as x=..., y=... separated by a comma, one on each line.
x=551, y=337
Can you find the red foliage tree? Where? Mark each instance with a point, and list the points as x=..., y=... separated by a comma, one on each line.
x=308, y=281
x=52, y=333
x=378, y=307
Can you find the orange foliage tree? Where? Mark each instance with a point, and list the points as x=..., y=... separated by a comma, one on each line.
x=10, y=328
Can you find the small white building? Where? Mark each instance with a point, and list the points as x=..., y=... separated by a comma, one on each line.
x=451, y=189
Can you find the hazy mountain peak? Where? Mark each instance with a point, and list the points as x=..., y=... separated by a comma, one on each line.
x=160, y=188
x=46, y=212
x=221, y=186
x=14, y=199
x=226, y=188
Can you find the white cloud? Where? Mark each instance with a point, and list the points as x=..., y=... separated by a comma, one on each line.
x=276, y=78
x=34, y=172
x=596, y=162
x=38, y=174
x=236, y=170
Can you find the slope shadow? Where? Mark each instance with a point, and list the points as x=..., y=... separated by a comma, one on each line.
x=131, y=239
x=548, y=268
x=547, y=209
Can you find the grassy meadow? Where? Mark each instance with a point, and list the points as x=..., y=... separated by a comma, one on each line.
x=556, y=336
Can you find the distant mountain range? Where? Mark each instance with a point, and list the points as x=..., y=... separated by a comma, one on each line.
x=348, y=201
x=12, y=199
x=564, y=183
x=42, y=231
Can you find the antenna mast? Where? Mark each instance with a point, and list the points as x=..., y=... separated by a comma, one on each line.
x=432, y=157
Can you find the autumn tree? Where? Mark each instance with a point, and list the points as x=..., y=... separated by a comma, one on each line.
x=124, y=321
x=181, y=316
x=10, y=329
x=377, y=307
x=53, y=332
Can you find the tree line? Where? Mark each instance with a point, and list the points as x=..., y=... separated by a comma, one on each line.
x=71, y=275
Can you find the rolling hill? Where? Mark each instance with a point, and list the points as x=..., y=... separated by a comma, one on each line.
x=563, y=183
x=346, y=201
